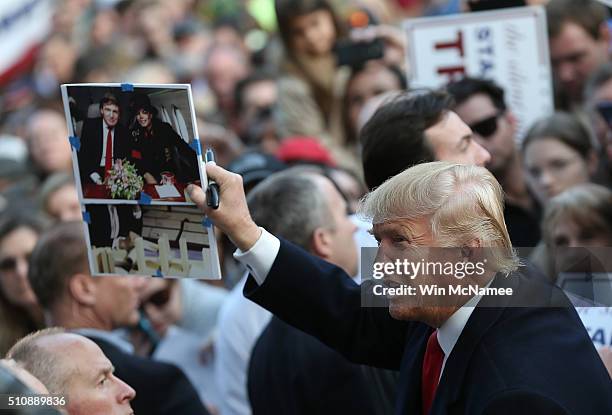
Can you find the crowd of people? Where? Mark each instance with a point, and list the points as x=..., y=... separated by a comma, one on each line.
x=330, y=159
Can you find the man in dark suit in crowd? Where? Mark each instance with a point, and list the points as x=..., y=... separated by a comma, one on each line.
x=509, y=355
x=103, y=141
x=290, y=372
x=94, y=307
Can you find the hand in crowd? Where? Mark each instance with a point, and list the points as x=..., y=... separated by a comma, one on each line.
x=232, y=216
x=392, y=37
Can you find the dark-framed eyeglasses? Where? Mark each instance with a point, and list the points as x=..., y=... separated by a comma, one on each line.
x=487, y=127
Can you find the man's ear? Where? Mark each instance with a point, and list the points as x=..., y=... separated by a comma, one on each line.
x=604, y=33
x=592, y=162
x=471, y=250
x=512, y=120
x=82, y=289
x=321, y=243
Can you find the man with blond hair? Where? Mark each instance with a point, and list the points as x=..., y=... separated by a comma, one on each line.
x=479, y=353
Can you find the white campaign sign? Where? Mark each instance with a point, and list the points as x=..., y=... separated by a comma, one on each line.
x=508, y=46
x=24, y=24
x=598, y=322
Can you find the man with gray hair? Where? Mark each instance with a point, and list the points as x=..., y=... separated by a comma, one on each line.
x=76, y=369
x=289, y=370
x=501, y=357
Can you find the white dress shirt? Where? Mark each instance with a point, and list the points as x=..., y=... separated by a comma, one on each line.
x=240, y=322
x=261, y=256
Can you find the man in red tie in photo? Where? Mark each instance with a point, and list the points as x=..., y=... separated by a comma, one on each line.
x=103, y=141
x=457, y=353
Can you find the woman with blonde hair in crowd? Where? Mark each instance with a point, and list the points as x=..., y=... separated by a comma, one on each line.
x=581, y=217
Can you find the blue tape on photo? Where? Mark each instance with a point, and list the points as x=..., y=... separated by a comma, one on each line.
x=145, y=199
x=86, y=217
x=158, y=273
x=195, y=144
x=127, y=87
x=207, y=223
x=75, y=142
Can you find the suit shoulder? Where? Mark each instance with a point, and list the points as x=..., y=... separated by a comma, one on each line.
x=522, y=401
x=127, y=361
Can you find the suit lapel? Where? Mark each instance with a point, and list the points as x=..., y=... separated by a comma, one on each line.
x=484, y=316
x=409, y=390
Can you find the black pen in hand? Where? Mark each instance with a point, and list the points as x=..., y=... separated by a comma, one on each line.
x=212, y=193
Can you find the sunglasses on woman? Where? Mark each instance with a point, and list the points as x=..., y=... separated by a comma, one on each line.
x=487, y=127
x=9, y=263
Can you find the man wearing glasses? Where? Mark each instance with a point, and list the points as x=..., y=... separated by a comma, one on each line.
x=480, y=104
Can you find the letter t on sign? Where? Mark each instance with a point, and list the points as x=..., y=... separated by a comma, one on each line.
x=452, y=71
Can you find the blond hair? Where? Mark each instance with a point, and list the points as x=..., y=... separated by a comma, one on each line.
x=462, y=202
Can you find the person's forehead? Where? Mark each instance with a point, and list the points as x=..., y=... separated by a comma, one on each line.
x=86, y=359
x=547, y=148
x=297, y=22
x=328, y=189
x=261, y=91
x=110, y=106
x=371, y=80
x=570, y=36
x=449, y=130
x=17, y=241
x=477, y=107
x=403, y=226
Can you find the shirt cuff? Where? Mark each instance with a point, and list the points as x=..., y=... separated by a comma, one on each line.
x=261, y=256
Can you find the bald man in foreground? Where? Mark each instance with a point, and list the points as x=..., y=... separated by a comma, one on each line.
x=471, y=354
x=74, y=367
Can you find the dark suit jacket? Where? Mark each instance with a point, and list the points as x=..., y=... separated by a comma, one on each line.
x=161, y=150
x=90, y=153
x=100, y=223
x=161, y=388
x=508, y=360
x=291, y=372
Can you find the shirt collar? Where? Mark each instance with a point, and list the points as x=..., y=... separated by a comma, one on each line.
x=449, y=332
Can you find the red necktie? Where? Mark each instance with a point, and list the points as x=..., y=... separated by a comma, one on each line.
x=108, y=161
x=432, y=366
